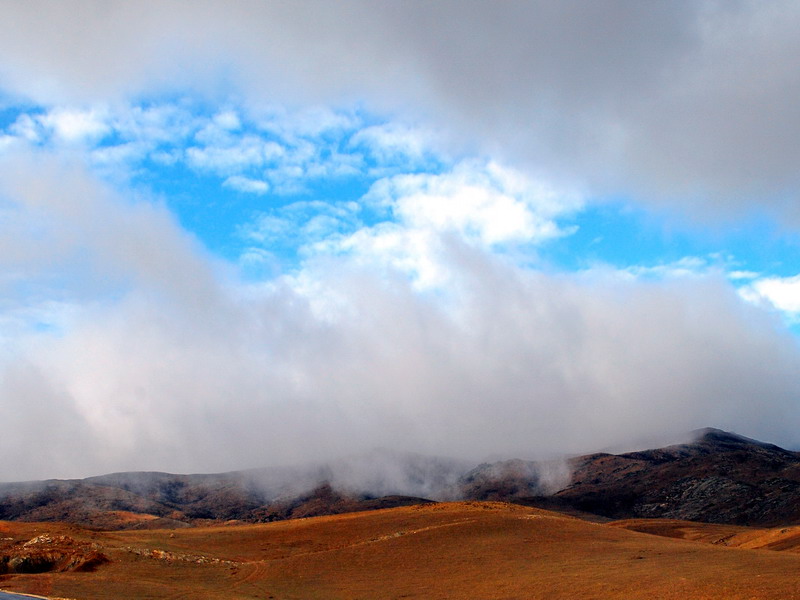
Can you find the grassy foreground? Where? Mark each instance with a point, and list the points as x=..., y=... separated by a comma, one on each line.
x=457, y=550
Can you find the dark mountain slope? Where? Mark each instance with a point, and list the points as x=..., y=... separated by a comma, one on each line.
x=720, y=478
x=378, y=480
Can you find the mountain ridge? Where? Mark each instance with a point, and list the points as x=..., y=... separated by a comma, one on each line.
x=719, y=477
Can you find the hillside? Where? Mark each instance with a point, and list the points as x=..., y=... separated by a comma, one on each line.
x=453, y=550
x=379, y=480
x=719, y=478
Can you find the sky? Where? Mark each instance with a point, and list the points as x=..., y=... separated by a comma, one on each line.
x=241, y=234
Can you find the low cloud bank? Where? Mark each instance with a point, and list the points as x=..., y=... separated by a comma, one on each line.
x=174, y=365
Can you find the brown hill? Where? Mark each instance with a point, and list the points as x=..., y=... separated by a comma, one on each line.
x=720, y=478
x=786, y=539
x=381, y=480
x=455, y=550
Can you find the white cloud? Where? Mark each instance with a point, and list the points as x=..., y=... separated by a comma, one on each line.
x=419, y=331
x=486, y=203
x=286, y=151
x=309, y=123
x=268, y=228
x=164, y=123
x=246, y=153
x=482, y=204
x=76, y=126
x=247, y=185
x=685, y=102
x=64, y=226
x=26, y=127
x=414, y=252
x=396, y=143
x=743, y=275
x=688, y=266
x=781, y=292
x=7, y=142
x=120, y=154
x=228, y=120
x=305, y=225
x=137, y=131
x=171, y=363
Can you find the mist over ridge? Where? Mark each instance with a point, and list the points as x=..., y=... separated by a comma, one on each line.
x=715, y=477
x=249, y=235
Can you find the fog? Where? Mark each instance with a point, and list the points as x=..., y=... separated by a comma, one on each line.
x=172, y=364
x=423, y=335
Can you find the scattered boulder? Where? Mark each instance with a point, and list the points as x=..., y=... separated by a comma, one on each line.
x=46, y=553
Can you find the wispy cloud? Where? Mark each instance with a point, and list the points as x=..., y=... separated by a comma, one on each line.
x=249, y=149
x=247, y=185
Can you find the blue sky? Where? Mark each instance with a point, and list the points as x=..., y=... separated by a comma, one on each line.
x=253, y=233
x=266, y=191
x=261, y=191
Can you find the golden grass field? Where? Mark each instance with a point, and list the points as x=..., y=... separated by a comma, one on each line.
x=466, y=550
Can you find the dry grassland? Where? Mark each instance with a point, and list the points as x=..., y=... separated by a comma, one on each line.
x=445, y=551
